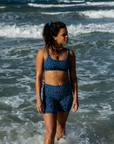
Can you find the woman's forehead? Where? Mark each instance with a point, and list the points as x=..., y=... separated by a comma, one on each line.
x=63, y=30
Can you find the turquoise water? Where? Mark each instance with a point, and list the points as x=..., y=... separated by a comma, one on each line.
x=91, y=36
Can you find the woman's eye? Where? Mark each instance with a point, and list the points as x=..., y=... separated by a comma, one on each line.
x=65, y=34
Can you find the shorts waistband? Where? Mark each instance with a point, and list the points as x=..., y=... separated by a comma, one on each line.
x=68, y=82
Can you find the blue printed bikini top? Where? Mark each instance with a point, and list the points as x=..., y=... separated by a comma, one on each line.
x=59, y=65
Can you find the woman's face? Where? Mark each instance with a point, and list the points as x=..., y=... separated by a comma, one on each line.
x=62, y=37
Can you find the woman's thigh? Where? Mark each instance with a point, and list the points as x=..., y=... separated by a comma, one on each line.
x=62, y=118
x=50, y=121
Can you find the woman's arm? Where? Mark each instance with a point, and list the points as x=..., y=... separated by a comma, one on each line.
x=39, y=77
x=73, y=79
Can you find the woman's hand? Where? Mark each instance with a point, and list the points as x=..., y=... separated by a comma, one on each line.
x=40, y=106
x=75, y=106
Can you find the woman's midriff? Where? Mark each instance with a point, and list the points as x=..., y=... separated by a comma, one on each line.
x=56, y=77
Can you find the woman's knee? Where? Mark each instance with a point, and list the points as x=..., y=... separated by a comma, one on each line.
x=51, y=132
x=60, y=126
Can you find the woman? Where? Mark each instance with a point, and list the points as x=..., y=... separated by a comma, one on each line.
x=58, y=65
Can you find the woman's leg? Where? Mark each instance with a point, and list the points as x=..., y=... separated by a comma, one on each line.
x=50, y=123
x=61, y=121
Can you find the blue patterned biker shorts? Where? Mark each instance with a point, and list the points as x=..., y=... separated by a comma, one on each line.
x=57, y=98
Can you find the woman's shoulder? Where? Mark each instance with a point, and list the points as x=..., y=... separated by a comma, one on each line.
x=42, y=50
x=71, y=52
x=41, y=53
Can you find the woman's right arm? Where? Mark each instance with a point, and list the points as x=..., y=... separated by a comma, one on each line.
x=39, y=77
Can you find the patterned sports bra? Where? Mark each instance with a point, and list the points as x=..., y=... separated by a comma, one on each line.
x=58, y=65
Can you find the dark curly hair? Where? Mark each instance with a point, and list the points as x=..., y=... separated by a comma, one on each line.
x=51, y=29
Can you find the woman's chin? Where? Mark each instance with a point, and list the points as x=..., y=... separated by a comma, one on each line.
x=65, y=42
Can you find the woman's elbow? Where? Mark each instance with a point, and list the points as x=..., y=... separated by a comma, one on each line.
x=73, y=78
x=39, y=77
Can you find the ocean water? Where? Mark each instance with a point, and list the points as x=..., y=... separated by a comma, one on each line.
x=91, y=36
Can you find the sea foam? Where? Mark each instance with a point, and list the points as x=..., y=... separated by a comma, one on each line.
x=24, y=31
x=13, y=101
x=91, y=14
x=51, y=5
x=100, y=4
x=55, y=13
x=2, y=7
x=99, y=14
x=80, y=29
x=35, y=31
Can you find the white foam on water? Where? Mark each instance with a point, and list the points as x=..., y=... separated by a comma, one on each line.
x=20, y=85
x=101, y=4
x=110, y=4
x=89, y=82
x=24, y=31
x=2, y=7
x=13, y=101
x=106, y=110
x=30, y=132
x=6, y=65
x=80, y=29
x=65, y=1
x=55, y=13
x=6, y=70
x=24, y=136
x=98, y=14
x=103, y=69
x=35, y=31
x=51, y=5
x=8, y=76
x=20, y=115
x=73, y=137
x=36, y=139
x=78, y=1
x=91, y=13
x=12, y=16
x=24, y=133
x=15, y=53
x=84, y=110
x=26, y=79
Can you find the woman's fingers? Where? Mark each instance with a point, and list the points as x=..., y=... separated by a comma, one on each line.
x=75, y=107
x=40, y=108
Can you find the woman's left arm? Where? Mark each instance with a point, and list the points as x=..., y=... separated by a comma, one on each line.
x=73, y=79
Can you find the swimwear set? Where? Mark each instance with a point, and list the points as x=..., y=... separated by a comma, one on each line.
x=57, y=98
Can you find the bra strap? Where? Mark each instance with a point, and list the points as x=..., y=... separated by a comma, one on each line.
x=68, y=53
x=47, y=50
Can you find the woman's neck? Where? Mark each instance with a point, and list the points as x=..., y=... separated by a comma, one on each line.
x=57, y=47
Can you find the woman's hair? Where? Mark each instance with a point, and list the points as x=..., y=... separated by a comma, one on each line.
x=51, y=29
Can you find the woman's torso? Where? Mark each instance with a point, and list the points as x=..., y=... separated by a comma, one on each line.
x=56, y=71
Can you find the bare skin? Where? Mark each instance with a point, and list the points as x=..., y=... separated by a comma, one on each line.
x=55, y=124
